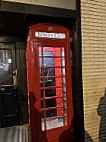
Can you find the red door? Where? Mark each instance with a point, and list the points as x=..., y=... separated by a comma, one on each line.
x=49, y=84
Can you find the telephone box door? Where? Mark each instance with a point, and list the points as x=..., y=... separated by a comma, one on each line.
x=49, y=84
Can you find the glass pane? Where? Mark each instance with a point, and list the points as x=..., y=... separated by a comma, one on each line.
x=40, y=53
x=40, y=62
x=50, y=92
x=5, y=67
x=42, y=120
x=42, y=104
x=63, y=71
x=65, y=111
x=63, y=62
x=62, y=51
x=53, y=62
x=64, y=93
x=49, y=82
x=42, y=115
x=52, y=82
x=51, y=103
x=51, y=113
x=64, y=89
x=65, y=103
x=48, y=62
x=64, y=79
x=40, y=72
x=41, y=83
x=42, y=125
x=54, y=123
x=48, y=53
x=49, y=71
x=41, y=93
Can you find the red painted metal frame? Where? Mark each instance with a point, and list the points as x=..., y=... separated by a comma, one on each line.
x=33, y=82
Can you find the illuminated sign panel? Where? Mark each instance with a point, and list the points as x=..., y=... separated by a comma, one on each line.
x=67, y=4
x=50, y=35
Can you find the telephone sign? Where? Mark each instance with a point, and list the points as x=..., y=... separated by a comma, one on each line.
x=50, y=35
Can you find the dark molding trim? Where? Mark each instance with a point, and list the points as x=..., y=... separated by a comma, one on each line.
x=37, y=10
x=11, y=39
x=79, y=119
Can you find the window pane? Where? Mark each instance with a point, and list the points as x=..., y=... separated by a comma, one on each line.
x=6, y=67
x=49, y=71
x=50, y=92
x=48, y=62
x=40, y=62
x=63, y=71
x=51, y=113
x=54, y=123
x=51, y=103
x=49, y=82
x=47, y=53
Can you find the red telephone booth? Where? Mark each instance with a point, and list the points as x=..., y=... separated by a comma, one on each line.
x=49, y=84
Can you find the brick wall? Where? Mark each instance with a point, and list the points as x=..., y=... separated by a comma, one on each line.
x=93, y=24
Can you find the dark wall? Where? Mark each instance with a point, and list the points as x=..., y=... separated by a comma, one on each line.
x=22, y=81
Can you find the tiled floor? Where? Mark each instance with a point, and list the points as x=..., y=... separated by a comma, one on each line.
x=15, y=134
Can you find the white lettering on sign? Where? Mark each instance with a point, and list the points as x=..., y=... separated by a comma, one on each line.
x=50, y=35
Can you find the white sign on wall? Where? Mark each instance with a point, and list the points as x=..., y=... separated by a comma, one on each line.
x=67, y=4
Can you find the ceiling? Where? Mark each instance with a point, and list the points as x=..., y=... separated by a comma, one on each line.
x=16, y=24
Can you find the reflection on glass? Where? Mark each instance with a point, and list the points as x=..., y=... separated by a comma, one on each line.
x=54, y=123
x=51, y=113
x=63, y=71
x=42, y=116
x=50, y=103
x=65, y=111
x=40, y=62
x=52, y=82
x=40, y=52
x=49, y=82
x=50, y=92
x=65, y=103
x=47, y=53
x=64, y=79
x=63, y=52
x=5, y=67
x=64, y=89
x=47, y=72
x=64, y=93
x=63, y=62
x=48, y=62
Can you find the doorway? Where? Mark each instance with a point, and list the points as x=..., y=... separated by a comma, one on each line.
x=8, y=86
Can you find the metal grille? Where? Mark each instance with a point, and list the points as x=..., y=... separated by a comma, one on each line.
x=53, y=87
